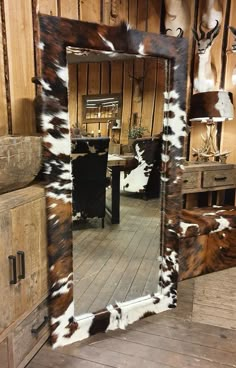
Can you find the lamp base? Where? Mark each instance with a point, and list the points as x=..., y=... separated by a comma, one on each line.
x=209, y=150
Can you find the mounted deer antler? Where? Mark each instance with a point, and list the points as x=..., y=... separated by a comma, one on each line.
x=206, y=73
x=233, y=30
x=181, y=32
x=176, y=14
x=138, y=86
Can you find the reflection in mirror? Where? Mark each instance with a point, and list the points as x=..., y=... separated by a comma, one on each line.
x=102, y=108
x=120, y=261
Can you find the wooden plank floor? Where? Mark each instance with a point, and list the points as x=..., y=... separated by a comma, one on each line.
x=166, y=340
x=119, y=262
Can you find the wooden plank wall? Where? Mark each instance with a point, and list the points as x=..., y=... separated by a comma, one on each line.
x=18, y=63
x=229, y=128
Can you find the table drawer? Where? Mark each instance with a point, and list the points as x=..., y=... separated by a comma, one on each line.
x=217, y=178
x=191, y=180
x=26, y=341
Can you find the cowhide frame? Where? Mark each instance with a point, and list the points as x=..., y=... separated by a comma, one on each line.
x=56, y=34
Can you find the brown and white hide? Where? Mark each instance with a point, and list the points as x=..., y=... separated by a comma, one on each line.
x=207, y=240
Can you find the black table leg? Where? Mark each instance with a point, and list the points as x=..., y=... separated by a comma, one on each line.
x=115, y=195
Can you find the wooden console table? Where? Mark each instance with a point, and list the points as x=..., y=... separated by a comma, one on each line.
x=208, y=177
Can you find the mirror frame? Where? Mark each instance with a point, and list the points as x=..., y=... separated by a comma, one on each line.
x=56, y=34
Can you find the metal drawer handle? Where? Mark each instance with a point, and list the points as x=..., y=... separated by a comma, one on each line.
x=35, y=331
x=12, y=260
x=219, y=178
x=21, y=255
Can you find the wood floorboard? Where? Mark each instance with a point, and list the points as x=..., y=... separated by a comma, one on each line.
x=187, y=333
x=104, y=296
x=86, y=300
x=177, y=346
x=92, y=353
x=60, y=360
x=149, y=259
x=115, y=263
x=121, y=292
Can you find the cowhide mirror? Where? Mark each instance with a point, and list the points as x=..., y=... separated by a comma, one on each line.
x=60, y=40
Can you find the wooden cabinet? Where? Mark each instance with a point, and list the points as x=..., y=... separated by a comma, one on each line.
x=23, y=276
x=4, y=362
x=207, y=177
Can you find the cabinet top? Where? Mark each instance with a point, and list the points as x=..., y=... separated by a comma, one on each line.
x=21, y=196
x=192, y=166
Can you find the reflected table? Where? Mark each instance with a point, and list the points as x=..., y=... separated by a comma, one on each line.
x=115, y=163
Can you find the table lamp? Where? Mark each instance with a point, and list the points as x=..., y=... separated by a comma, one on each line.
x=210, y=108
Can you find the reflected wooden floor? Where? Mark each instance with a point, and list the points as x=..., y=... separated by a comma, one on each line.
x=119, y=262
x=167, y=340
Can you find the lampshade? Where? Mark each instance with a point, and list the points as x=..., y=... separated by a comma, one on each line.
x=214, y=105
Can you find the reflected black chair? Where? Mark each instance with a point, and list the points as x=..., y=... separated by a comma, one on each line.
x=89, y=165
x=143, y=174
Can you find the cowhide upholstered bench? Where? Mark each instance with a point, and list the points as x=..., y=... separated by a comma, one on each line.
x=207, y=240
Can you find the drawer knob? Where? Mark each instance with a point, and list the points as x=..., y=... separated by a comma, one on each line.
x=35, y=331
x=12, y=260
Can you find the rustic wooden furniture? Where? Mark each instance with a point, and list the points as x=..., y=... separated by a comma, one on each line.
x=23, y=276
x=20, y=161
x=208, y=177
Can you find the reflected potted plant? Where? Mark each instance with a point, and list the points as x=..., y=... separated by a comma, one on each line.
x=134, y=133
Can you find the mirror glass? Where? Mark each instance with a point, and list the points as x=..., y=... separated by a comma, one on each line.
x=102, y=109
x=119, y=262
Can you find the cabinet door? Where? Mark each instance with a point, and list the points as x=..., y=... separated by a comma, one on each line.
x=27, y=237
x=7, y=290
x=4, y=362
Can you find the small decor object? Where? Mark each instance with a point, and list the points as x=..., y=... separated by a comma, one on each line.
x=20, y=161
x=210, y=108
x=177, y=13
x=137, y=132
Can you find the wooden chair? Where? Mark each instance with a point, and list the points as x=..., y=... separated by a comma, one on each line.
x=89, y=164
